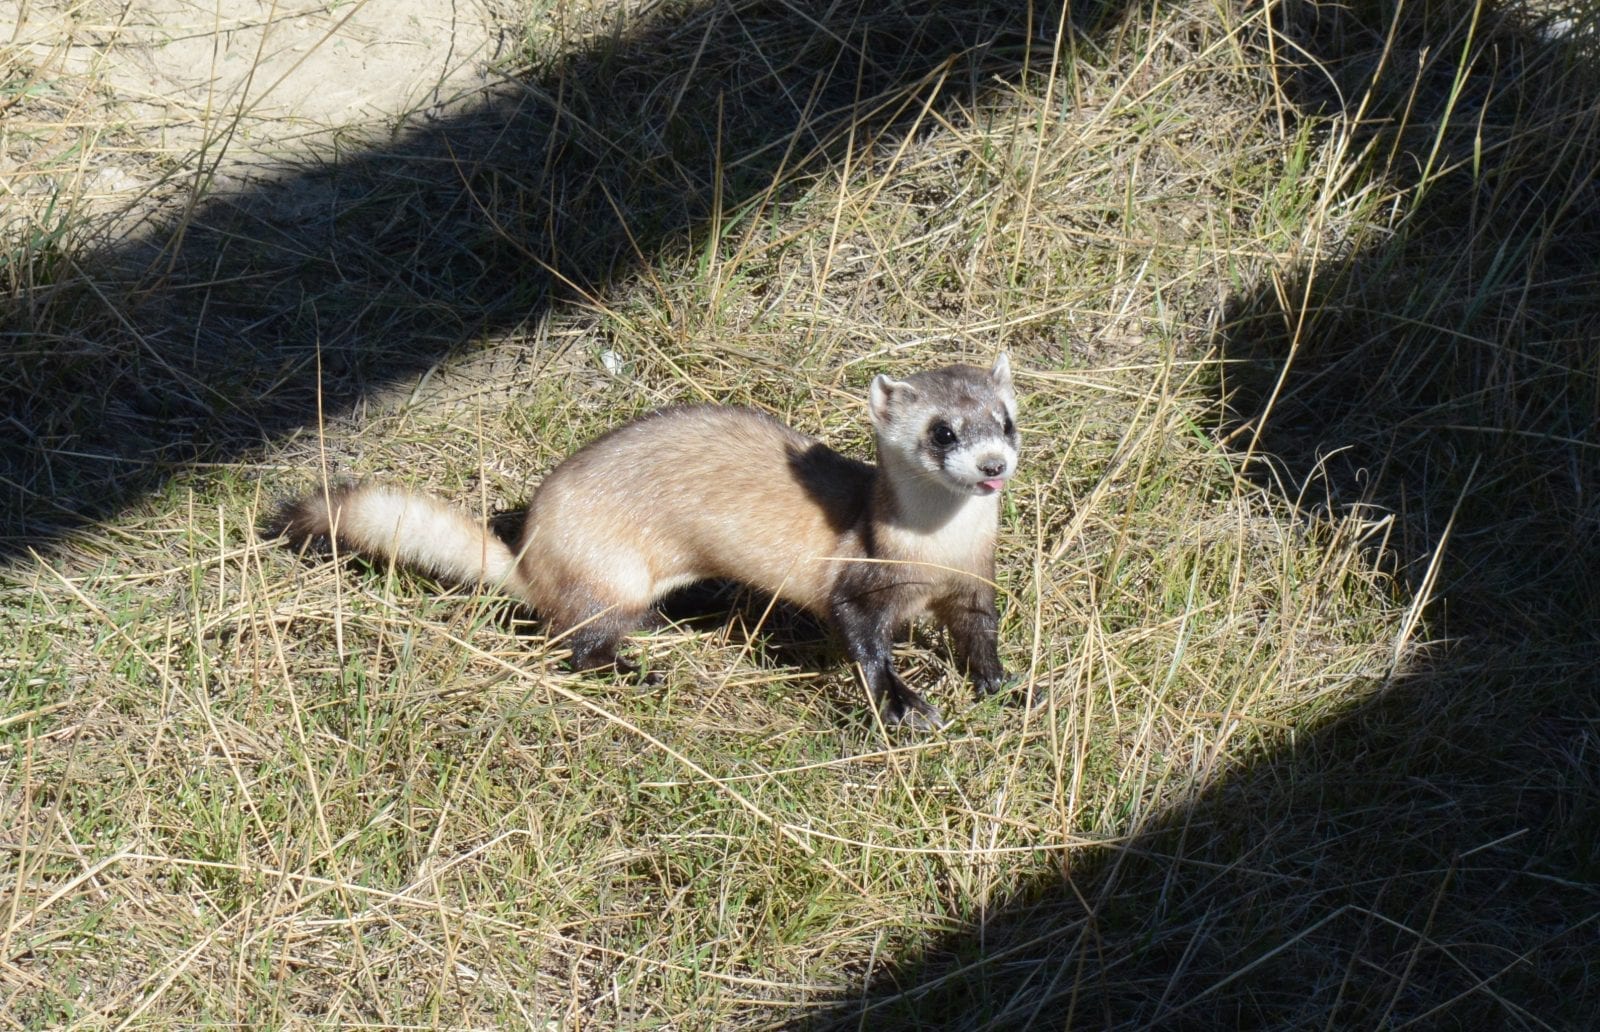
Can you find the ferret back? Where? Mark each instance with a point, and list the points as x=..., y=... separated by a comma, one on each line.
x=686, y=494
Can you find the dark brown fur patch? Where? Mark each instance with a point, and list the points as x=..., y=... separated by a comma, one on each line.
x=305, y=521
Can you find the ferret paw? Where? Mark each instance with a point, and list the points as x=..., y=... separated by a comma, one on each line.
x=918, y=716
x=631, y=668
x=1012, y=687
x=995, y=683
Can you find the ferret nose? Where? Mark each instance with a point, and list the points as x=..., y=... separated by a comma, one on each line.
x=992, y=468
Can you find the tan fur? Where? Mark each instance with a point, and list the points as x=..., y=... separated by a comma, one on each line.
x=413, y=529
x=685, y=495
x=706, y=492
x=677, y=496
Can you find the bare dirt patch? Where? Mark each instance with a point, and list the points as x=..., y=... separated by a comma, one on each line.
x=229, y=87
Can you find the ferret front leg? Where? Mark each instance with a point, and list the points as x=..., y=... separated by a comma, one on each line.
x=869, y=640
x=974, y=626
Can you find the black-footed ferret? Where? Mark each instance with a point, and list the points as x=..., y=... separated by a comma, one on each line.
x=702, y=492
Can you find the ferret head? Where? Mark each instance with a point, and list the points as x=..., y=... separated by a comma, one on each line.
x=956, y=426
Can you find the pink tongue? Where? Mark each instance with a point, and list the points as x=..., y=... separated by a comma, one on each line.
x=994, y=485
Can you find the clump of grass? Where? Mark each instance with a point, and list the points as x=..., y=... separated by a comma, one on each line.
x=1313, y=715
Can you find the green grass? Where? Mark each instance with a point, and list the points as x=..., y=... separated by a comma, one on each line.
x=1300, y=558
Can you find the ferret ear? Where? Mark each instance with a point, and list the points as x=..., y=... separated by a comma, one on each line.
x=886, y=394
x=1000, y=373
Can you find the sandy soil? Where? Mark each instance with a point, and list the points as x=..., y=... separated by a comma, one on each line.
x=244, y=81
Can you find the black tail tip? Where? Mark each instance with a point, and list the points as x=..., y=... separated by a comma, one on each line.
x=304, y=521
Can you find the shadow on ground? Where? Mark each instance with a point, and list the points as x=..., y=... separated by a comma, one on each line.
x=233, y=325
x=1431, y=860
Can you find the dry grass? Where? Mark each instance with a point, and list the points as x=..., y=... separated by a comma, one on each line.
x=1301, y=558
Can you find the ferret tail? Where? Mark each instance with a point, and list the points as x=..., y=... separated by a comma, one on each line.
x=383, y=522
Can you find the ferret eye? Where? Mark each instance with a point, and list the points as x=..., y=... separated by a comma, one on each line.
x=942, y=435
x=1010, y=427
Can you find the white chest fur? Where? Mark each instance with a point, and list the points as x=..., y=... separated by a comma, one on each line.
x=936, y=527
